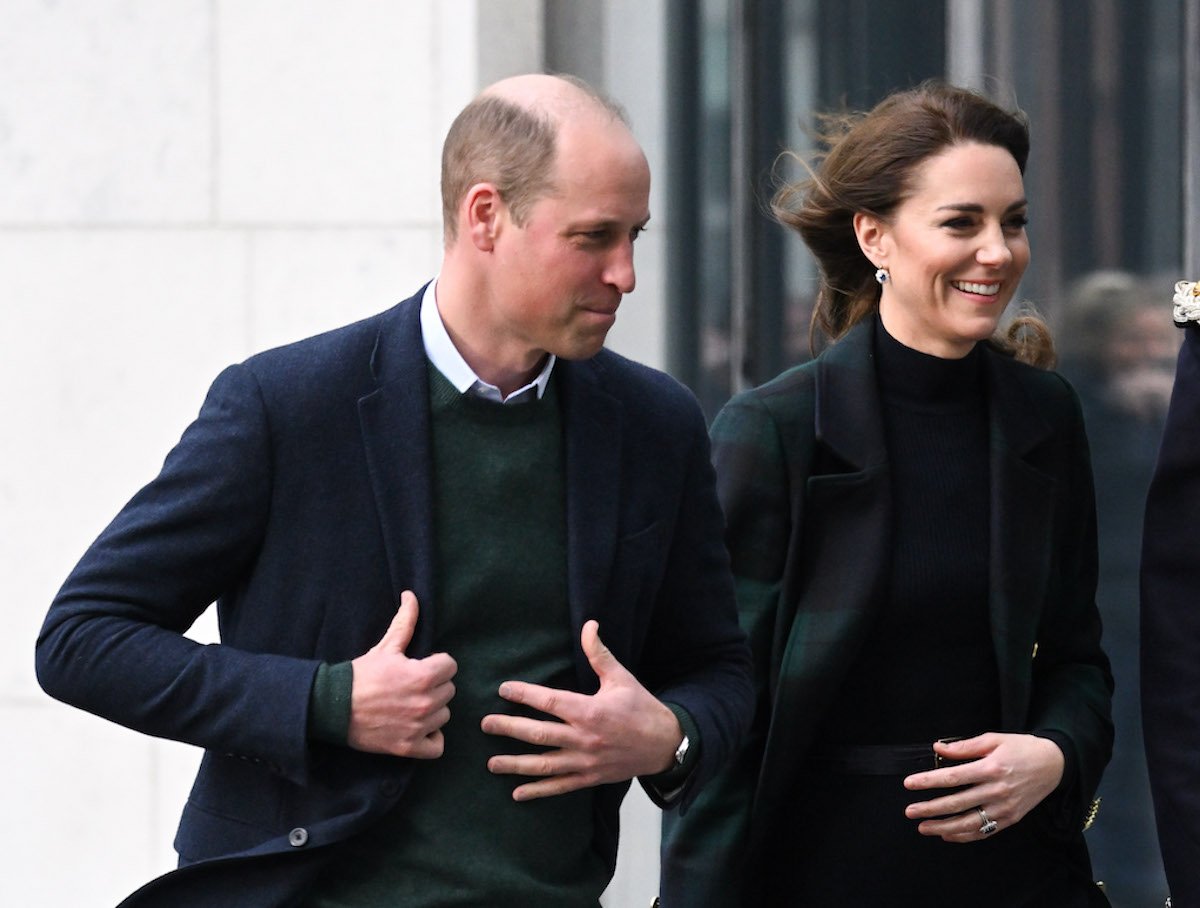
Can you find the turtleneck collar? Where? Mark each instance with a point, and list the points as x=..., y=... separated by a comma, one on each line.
x=908, y=375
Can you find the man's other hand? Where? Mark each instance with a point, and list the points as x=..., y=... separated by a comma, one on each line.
x=617, y=733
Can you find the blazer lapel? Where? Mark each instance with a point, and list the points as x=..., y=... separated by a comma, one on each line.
x=1022, y=499
x=592, y=430
x=395, y=430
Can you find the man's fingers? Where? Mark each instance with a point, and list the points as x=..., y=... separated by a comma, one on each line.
x=400, y=632
x=562, y=704
x=442, y=668
x=531, y=731
x=551, y=763
x=548, y=788
x=601, y=659
x=430, y=747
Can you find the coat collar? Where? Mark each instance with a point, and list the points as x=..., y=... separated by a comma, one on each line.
x=849, y=422
x=849, y=419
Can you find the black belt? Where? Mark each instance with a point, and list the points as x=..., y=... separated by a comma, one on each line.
x=881, y=759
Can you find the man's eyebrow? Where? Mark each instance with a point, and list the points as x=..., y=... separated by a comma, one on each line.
x=607, y=224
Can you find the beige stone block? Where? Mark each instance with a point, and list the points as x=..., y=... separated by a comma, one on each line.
x=105, y=112
x=108, y=344
x=307, y=281
x=80, y=819
x=326, y=112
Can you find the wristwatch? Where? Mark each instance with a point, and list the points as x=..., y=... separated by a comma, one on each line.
x=681, y=751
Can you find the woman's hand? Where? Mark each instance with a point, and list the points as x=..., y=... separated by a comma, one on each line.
x=1009, y=775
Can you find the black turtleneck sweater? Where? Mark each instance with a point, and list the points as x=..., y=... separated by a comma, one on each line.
x=928, y=669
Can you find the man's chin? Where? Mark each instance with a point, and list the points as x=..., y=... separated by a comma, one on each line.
x=582, y=348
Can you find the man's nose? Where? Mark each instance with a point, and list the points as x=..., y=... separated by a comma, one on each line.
x=618, y=270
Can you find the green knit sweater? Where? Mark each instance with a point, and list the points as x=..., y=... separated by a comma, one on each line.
x=457, y=837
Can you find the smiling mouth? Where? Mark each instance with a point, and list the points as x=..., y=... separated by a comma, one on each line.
x=978, y=289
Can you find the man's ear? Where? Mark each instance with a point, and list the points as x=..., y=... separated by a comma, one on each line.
x=873, y=235
x=481, y=213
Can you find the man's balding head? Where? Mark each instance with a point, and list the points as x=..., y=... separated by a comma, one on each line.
x=507, y=137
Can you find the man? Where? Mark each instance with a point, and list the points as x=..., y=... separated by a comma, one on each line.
x=412, y=526
x=1171, y=618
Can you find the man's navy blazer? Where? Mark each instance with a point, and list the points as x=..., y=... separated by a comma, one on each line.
x=300, y=500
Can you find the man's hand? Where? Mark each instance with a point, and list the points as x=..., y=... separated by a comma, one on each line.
x=617, y=733
x=398, y=704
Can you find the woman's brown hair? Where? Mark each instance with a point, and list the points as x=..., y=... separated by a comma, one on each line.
x=867, y=166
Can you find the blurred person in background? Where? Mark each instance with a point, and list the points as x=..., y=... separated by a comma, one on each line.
x=1118, y=349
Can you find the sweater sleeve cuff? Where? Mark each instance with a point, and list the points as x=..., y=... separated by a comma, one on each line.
x=669, y=784
x=1063, y=804
x=1070, y=769
x=329, y=704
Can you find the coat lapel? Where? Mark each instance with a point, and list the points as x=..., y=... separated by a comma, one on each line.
x=836, y=571
x=849, y=416
x=1022, y=498
x=592, y=430
x=396, y=436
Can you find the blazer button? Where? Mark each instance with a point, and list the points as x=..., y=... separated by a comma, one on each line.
x=298, y=837
x=389, y=788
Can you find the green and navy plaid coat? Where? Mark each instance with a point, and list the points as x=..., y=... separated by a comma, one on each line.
x=804, y=480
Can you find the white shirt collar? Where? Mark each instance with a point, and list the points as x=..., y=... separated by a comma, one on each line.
x=446, y=359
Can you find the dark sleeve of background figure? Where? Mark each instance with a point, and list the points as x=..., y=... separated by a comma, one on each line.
x=1170, y=633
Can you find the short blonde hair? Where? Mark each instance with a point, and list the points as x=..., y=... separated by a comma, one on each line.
x=497, y=141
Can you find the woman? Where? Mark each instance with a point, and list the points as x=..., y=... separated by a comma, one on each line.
x=911, y=523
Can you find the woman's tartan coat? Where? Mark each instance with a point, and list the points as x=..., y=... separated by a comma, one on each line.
x=803, y=477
